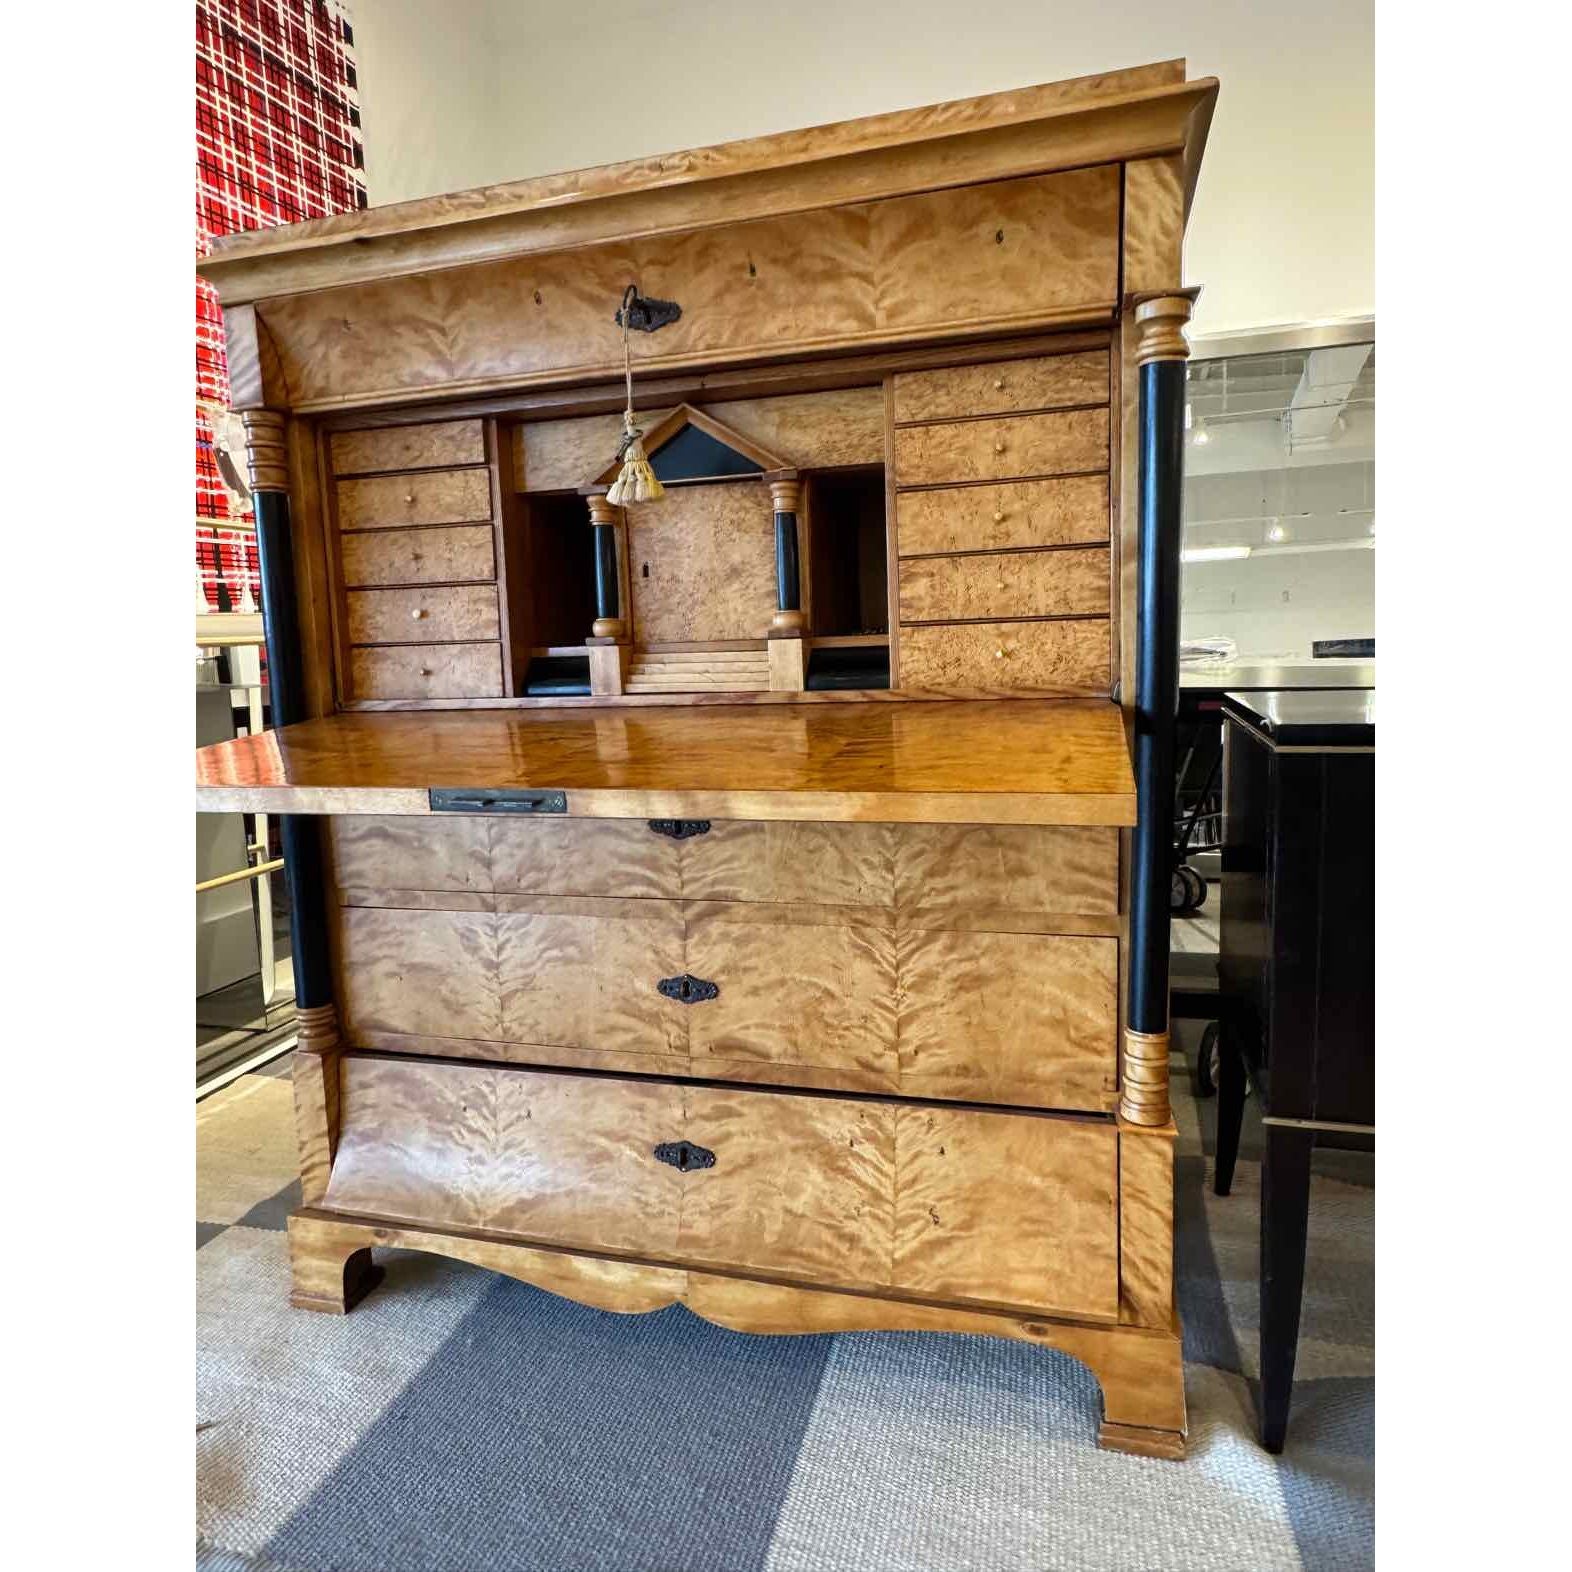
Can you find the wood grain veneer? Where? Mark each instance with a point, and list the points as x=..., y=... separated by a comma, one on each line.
x=1070, y=511
x=1048, y=657
x=418, y=556
x=1005, y=585
x=450, y=614
x=443, y=445
x=1002, y=761
x=439, y=496
x=950, y=1204
x=1004, y=387
x=1002, y=447
x=410, y=672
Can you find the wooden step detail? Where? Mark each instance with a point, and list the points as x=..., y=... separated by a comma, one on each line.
x=700, y=671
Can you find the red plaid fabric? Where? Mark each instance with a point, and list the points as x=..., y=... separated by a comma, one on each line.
x=277, y=140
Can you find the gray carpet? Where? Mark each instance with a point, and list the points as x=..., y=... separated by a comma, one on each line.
x=461, y=1422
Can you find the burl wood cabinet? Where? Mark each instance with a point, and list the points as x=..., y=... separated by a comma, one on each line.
x=754, y=897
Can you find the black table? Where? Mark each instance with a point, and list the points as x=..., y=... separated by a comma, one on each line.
x=1296, y=972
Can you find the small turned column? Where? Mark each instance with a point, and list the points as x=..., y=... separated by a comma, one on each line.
x=609, y=621
x=1160, y=355
x=786, y=495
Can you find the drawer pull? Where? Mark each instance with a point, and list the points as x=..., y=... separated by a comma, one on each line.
x=680, y=829
x=418, y=613
x=684, y=1156
x=998, y=515
x=688, y=989
x=998, y=384
x=998, y=446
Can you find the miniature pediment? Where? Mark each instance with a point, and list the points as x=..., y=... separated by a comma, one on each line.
x=688, y=447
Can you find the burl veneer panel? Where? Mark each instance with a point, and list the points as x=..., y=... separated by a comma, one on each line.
x=1026, y=1019
x=410, y=671
x=1006, y=254
x=446, y=614
x=451, y=496
x=1048, y=657
x=1002, y=448
x=441, y=445
x=1004, y=387
x=1005, y=584
x=418, y=556
x=701, y=563
x=943, y=1204
x=1069, y=511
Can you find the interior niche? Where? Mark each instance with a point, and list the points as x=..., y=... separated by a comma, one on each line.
x=848, y=566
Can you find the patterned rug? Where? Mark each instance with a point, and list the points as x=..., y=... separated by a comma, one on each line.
x=462, y=1422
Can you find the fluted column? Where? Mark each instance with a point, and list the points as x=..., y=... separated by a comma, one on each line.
x=1160, y=355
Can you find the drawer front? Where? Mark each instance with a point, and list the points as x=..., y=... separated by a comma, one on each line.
x=1049, y=657
x=1005, y=584
x=933, y=869
x=565, y=973
x=455, y=496
x=448, y=615
x=440, y=446
x=1071, y=511
x=1002, y=449
x=945, y=1204
x=811, y=864
x=794, y=988
x=419, y=556
x=1019, y=1018
x=1003, y=388
x=985, y=869
x=457, y=671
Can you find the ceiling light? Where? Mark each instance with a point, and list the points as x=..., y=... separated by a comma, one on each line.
x=1213, y=553
x=1202, y=435
x=1189, y=414
x=1275, y=531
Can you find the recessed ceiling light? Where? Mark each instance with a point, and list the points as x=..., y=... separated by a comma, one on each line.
x=1213, y=553
x=1275, y=531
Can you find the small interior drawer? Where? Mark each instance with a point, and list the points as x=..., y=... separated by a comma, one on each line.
x=1004, y=448
x=1070, y=511
x=442, y=445
x=1005, y=584
x=948, y=1204
x=457, y=671
x=444, y=555
x=1006, y=386
x=450, y=614
x=440, y=496
x=1046, y=657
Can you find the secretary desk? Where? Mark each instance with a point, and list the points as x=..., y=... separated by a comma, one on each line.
x=755, y=896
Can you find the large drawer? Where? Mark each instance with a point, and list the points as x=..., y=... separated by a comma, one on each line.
x=821, y=996
x=1047, y=382
x=1070, y=511
x=1045, y=657
x=948, y=1204
x=1004, y=448
x=935, y=868
x=1005, y=584
x=439, y=496
x=441, y=554
x=447, y=614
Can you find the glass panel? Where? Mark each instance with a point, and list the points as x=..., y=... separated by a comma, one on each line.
x=1279, y=529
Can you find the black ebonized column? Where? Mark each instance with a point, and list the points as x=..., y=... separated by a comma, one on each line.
x=788, y=577
x=606, y=572
x=299, y=836
x=1156, y=688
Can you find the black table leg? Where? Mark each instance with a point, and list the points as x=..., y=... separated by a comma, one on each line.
x=1230, y=1105
x=1285, y=1217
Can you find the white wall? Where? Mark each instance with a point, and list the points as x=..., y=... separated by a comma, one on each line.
x=458, y=93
